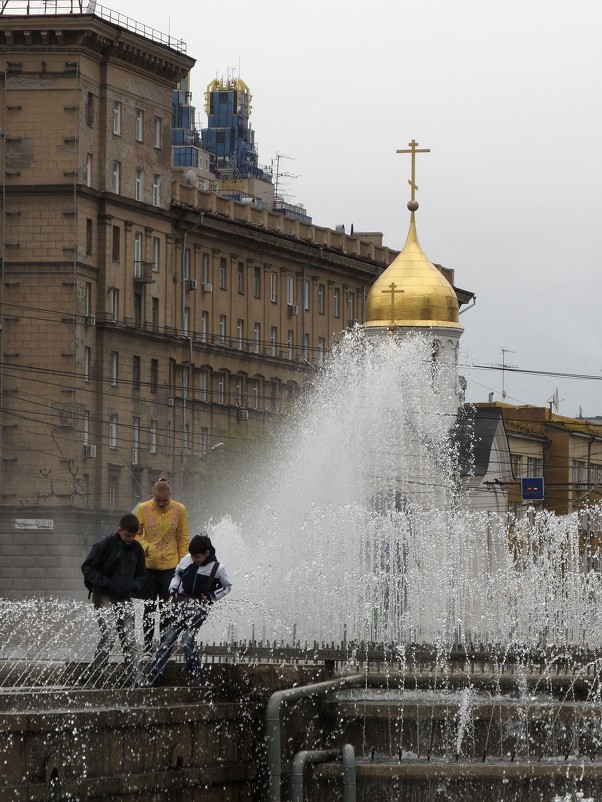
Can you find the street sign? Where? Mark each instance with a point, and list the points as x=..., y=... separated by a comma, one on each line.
x=532, y=489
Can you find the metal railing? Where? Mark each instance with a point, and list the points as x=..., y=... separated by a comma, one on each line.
x=76, y=7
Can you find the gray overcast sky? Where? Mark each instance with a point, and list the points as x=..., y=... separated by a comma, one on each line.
x=506, y=95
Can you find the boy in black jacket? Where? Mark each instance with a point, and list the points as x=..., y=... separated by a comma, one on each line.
x=113, y=570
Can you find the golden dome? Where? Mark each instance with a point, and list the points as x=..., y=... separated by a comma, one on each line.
x=412, y=292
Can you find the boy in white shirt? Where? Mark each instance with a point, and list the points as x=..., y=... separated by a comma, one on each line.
x=198, y=582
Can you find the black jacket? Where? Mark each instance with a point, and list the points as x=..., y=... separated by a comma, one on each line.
x=114, y=569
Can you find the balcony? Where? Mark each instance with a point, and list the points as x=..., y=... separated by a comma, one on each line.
x=143, y=273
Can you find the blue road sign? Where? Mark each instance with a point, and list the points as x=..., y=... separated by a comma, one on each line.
x=532, y=489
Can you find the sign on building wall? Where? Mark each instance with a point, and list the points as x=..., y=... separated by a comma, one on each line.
x=532, y=489
x=34, y=523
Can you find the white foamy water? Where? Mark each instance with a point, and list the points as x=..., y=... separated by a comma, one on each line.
x=358, y=530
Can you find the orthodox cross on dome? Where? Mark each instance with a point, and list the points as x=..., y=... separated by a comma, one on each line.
x=414, y=149
x=392, y=291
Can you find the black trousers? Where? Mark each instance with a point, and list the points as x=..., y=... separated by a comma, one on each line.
x=155, y=594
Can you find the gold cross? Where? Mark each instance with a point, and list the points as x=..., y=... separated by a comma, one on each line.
x=413, y=145
x=392, y=292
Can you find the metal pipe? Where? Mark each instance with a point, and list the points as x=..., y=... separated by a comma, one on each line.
x=298, y=764
x=349, y=789
x=273, y=739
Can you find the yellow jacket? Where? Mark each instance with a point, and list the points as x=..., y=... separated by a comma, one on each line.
x=163, y=533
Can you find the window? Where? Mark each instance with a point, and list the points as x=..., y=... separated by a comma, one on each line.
x=138, y=254
x=116, y=188
x=136, y=373
x=204, y=324
x=139, y=125
x=155, y=313
x=222, y=329
x=154, y=426
x=86, y=428
x=321, y=350
x=221, y=388
x=90, y=110
x=157, y=132
x=113, y=430
x=115, y=303
x=517, y=465
x=87, y=362
x=89, y=235
x=273, y=340
x=579, y=471
x=156, y=190
x=238, y=392
x=534, y=466
x=290, y=341
x=223, y=273
x=240, y=333
x=112, y=488
x=154, y=375
x=241, y=277
x=186, y=320
x=337, y=302
x=321, y=299
x=88, y=168
x=257, y=282
x=273, y=287
x=186, y=438
x=135, y=439
x=350, y=307
x=255, y=396
x=156, y=254
x=114, y=370
x=117, y=109
x=306, y=346
x=186, y=264
x=87, y=298
x=138, y=308
x=257, y=337
x=290, y=290
x=139, y=194
x=205, y=268
x=116, y=247
x=203, y=380
x=306, y=293
x=204, y=439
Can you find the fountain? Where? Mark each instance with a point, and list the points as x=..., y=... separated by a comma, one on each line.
x=470, y=646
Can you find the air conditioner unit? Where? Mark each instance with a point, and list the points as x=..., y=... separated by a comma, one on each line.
x=243, y=414
x=191, y=284
x=89, y=320
x=207, y=287
x=293, y=309
x=89, y=452
x=171, y=401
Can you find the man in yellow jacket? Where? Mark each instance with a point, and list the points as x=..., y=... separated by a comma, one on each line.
x=164, y=536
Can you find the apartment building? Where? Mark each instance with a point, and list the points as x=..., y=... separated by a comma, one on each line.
x=144, y=321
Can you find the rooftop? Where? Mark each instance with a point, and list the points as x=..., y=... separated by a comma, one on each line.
x=37, y=8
